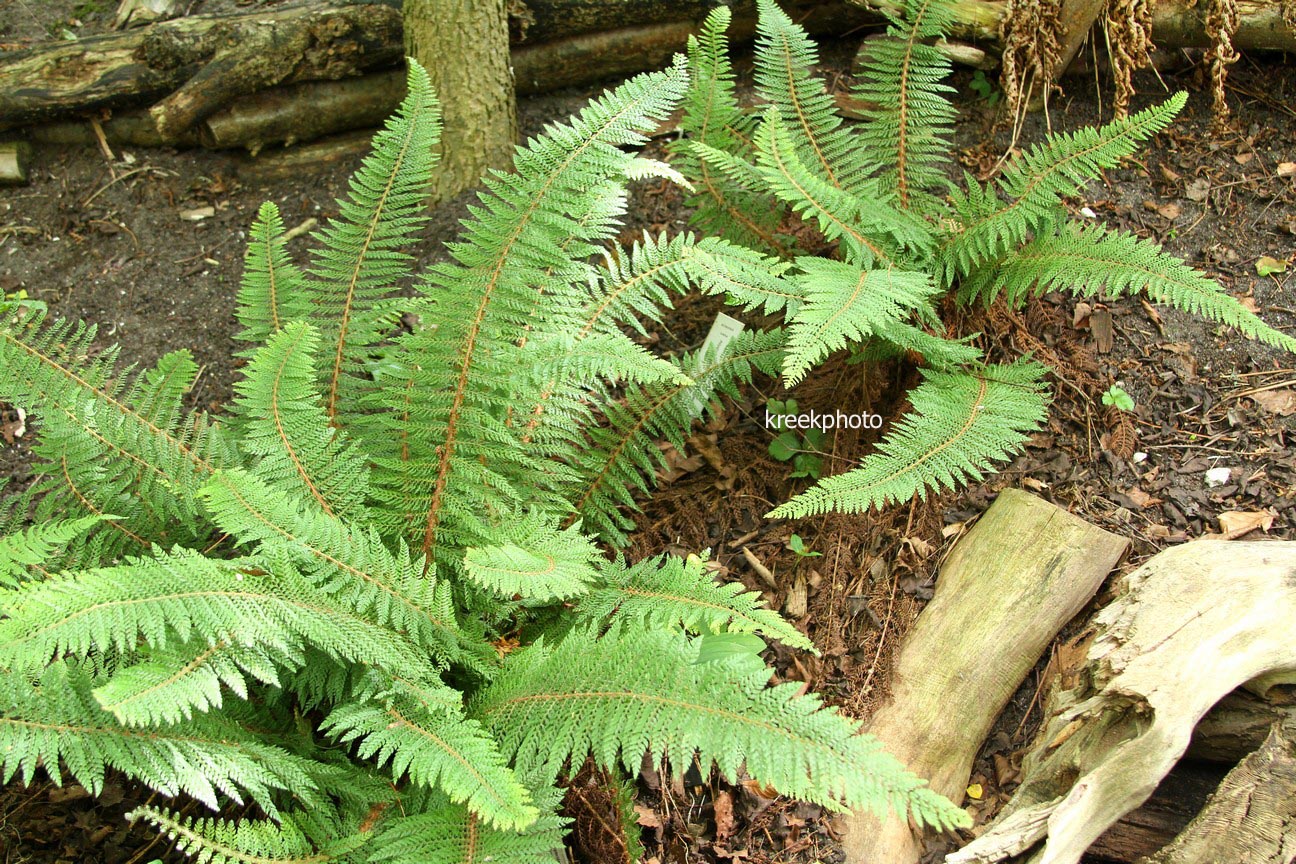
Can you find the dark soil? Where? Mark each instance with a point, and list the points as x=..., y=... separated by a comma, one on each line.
x=117, y=242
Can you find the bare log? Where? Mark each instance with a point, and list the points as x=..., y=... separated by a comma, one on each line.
x=1239, y=724
x=1194, y=623
x=1174, y=804
x=1004, y=592
x=14, y=157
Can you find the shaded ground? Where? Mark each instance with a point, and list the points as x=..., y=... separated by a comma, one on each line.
x=129, y=243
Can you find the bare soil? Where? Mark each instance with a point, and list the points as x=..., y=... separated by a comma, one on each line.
x=126, y=242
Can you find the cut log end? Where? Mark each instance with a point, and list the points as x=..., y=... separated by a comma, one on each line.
x=15, y=157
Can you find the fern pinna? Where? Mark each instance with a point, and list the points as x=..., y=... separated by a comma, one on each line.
x=906, y=236
x=306, y=605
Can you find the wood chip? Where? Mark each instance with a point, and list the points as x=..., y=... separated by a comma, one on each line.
x=797, y=603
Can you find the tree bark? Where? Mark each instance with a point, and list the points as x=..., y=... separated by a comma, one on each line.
x=463, y=44
x=1251, y=818
x=202, y=62
x=1006, y=589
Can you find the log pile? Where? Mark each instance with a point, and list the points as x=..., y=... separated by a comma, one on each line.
x=229, y=80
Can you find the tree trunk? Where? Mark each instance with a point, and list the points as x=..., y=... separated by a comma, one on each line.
x=1002, y=595
x=463, y=44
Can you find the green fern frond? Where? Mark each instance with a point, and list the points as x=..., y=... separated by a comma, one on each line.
x=169, y=685
x=351, y=564
x=961, y=423
x=271, y=291
x=784, y=59
x=438, y=750
x=628, y=693
x=459, y=454
x=1035, y=183
x=116, y=443
x=844, y=304
x=178, y=596
x=910, y=122
x=873, y=232
x=246, y=841
x=56, y=725
x=360, y=263
x=23, y=551
x=667, y=592
x=725, y=207
x=537, y=563
x=622, y=457
x=440, y=832
x=285, y=427
x=1085, y=259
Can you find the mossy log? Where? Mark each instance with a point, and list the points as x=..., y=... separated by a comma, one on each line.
x=1024, y=570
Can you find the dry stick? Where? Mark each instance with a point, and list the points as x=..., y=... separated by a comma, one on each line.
x=1006, y=589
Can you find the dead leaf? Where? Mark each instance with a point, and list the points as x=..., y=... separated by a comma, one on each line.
x=1198, y=190
x=975, y=791
x=1243, y=158
x=1034, y=485
x=1080, y=316
x=647, y=817
x=1169, y=211
x=1280, y=402
x=1141, y=498
x=1168, y=174
x=198, y=214
x=724, y=815
x=1287, y=169
x=1236, y=523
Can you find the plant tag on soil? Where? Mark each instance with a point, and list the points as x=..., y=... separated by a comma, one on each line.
x=723, y=331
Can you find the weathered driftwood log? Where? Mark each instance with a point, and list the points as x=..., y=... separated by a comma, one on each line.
x=1251, y=818
x=1148, y=829
x=14, y=157
x=1004, y=592
x=201, y=61
x=1194, y=623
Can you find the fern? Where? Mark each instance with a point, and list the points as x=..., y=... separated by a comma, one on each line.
x=905, y=236
x=336, y=603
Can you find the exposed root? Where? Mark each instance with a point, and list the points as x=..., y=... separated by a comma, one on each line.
x=1031, y=36
x=1221, y=24
x=1129, y=41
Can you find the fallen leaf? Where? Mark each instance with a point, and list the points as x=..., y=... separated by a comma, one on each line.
x=647, y=817
x=1198, y=190
x=975, y=792
x=1235, y=523
x=1243, y=158
x=1287, y=169
x=1080, y=317
x=1034, y=485
x=1141, y=498
x=1280, y=402
x=198, y=214
x=1168, y=174
x=1218, y=476
x=1169, y=211
x=1266, y=265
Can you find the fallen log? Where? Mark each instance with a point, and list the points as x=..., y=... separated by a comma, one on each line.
x=200, y=61
x=1024, y=570
x=1194, y=623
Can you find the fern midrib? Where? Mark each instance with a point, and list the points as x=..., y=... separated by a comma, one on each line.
x=551, y=565
x=456, y=403
x=330, y=408
x=842, y=308
x=720, y=276
x=445, y=747
x=321, y=554
x=686, y=600
x=902, y=147
x=272, y=276
x=122, y=409
x=736, y=213
x=284, y=438
x=472, y=830
x=643, y=419
x=800, y=111
x=192, y=666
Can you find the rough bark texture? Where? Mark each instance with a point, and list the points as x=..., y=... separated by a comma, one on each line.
x=202, y=62
x=1239, y=724
x=1251, y=818
x=463, y=44
x=1004, y=592
x=1194, y=623
x=14, y=157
